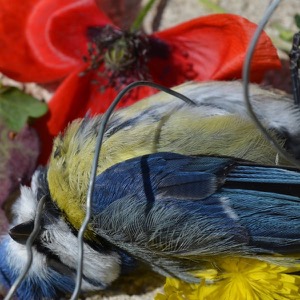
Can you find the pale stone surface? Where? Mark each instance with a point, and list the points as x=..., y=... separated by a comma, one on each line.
x=148, y=296
x=178, y=11
x=181, y=10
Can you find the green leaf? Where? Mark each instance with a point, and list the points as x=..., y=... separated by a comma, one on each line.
x=137, y=23
x=17, y=107
x=297, y=20
x=286, y=35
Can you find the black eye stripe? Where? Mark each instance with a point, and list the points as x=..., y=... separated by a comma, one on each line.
x=53, y=261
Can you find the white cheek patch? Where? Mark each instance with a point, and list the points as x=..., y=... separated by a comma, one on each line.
x=24, y=210
x=16, y=256
x=34, y=181
x=98, y=266
x=25, y=206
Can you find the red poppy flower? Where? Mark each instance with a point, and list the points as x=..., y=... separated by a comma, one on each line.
x=74, y=42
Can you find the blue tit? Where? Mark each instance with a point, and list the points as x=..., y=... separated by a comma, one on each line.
x=218, y=124
x=175, y=213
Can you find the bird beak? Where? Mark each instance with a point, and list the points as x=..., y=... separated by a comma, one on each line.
x=20, y=233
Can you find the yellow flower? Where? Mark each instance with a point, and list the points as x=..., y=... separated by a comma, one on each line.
x=238, y=279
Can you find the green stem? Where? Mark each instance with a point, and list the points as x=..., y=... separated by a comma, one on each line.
x=281, y=44
x=213, y=7
x=141, y=16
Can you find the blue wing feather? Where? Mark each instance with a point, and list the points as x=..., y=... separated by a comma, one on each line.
x=263, y=174
x=254, y=205
x=264, y=178
x=169, y=173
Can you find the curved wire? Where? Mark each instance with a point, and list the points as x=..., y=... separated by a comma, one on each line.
x=29, y=242
x=101, y=132
x=294, y=67
x=246, y=74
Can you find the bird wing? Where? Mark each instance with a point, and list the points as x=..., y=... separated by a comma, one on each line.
x=171, y=210
x=171, y=234
x=165, y=211
x=268, y=204
x=161, y=175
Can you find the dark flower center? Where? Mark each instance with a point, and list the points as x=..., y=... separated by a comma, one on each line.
x=121, y=56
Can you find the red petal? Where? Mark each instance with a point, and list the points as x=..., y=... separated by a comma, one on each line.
x=46, y=139
x=73, y=99
x=211, y=47
x=79, y=94
x=16, y=59
x=69, y=101
x=65, y=106
x=68, y=27
x=38, y=30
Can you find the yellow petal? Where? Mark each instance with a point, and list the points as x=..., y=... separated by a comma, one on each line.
x=239, y=279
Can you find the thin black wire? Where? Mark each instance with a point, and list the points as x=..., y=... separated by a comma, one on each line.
x=29, y=243
x=294, y=67
x=101, y=133
x=246, y=74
